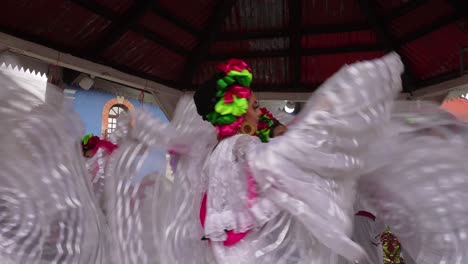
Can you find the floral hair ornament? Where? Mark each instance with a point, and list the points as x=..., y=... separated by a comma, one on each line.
x=237, y=71
x=93, y=143
x=230, y=98
x=266, y=125
x=86, y=138
x=89, y=141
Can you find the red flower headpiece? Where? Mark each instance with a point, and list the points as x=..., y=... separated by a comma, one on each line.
x=231, y=98
x=91, y=142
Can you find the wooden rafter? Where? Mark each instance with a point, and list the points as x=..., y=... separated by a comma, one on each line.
x=268, y=87
x=295, y=14
x=325, y=29
x=66, y=50
x=428, y=29
x=207, y=37
x=300, y=88
x=405, y=8
x=302, y=52
x=97, y=9
x=460, y=10
x=37, y=39
x=460, y=6
x=369, y=9
x=180, y=23
x=49, y=54
x=103, y=12
x=120, y=26
x=439, y=78
x=176, y=48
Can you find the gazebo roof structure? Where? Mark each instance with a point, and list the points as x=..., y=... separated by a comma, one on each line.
x=292, y=46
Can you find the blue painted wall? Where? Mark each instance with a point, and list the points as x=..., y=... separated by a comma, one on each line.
x=89, y=105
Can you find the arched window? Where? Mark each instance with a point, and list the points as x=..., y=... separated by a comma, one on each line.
x=111, y=111
x=114, y=113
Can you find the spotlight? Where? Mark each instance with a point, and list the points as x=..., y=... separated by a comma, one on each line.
x=289, y=107
x=86, y=82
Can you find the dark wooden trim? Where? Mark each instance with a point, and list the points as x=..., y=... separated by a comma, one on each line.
x=439, y=79
x=325, y=29
x=176, y=48
x=389, y=44
x=370, y=11
x=38, y=40
x=280, y=88
x=120, y=26
x=99, y=10
x=61, y=48
x=295, y=16
x=180, y=23
x=285, y=88
x=207, y=37
x=429, y=29
x=406, y=8
x=460, y=7
x=302, y=52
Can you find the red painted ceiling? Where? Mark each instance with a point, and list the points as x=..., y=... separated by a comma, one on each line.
x=291, y=45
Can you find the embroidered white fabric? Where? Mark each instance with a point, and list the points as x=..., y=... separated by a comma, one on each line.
x=48, y=213
x=324, y=154
x=347, y=137
x=227, y=203
x=96, y=167
x=418, y=182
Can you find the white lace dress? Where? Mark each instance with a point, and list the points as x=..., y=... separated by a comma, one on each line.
x=305, y=181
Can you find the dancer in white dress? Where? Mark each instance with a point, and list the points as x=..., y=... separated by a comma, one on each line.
x=288, y=201
x=305, y=181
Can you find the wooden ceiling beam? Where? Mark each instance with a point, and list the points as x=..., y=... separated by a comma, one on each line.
x=44, y=51
x=120, y=26
x=322, y=29
x=180, y=23
x=460, y=7
x=208, y=36
x=302, y=52
x=22, y=37
x=97, y=9
x=176, y=48
x=370, y=10
x=109, y=15
x=300, y=88
x=315, y=30
x=429, y=29
x=405, y=8
x=281, y=88
x=295, y=20
x=460, y=10
x=451, y=75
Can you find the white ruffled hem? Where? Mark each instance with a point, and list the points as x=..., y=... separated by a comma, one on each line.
x=255, y=217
